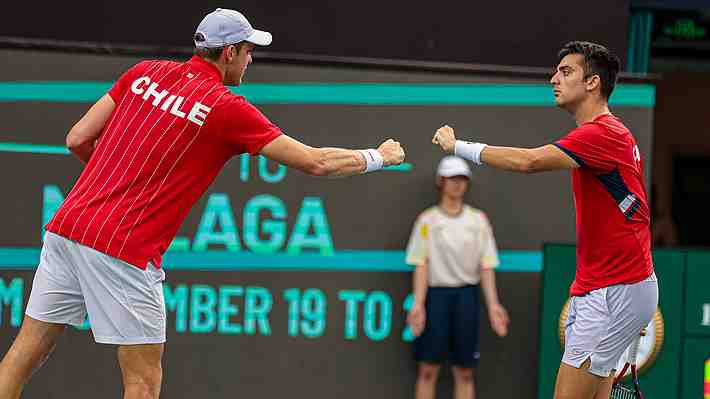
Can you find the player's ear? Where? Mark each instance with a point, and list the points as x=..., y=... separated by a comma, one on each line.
x=593, y=82
x=228, y=54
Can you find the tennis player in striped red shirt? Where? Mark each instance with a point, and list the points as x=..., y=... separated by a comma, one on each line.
x=615, y=290
x=152, y=146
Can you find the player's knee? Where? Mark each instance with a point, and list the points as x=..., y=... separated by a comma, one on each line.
x=142, y=370
x=428, y=372
x=154, y=377
x=147, y=375
x=145, y=385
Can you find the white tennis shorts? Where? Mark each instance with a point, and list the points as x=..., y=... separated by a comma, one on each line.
x=601, y=324
x=125, y=304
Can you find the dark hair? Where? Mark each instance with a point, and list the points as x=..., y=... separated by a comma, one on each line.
x=598, y=60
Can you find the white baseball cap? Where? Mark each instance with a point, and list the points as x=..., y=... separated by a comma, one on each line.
x=223, y=27
x=452, y=165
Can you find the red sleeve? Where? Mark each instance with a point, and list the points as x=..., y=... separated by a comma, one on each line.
x=124, y=82
x=245, y=128
x=591, y=146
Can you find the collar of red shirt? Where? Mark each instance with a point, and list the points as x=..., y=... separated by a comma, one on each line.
x=205, y=67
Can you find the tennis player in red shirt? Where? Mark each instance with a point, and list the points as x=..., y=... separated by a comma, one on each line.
x=615, y=292
x=152, y=146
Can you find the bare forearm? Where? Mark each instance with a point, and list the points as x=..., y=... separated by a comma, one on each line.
x=520, y=160
x=332, y=162
x=488, y=284
x=420, y=283
x=338, y=162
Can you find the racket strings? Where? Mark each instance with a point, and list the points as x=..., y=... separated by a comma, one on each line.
x=621, y=392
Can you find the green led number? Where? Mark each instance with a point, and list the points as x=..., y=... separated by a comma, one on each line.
x=306, y=313
x=313, y=311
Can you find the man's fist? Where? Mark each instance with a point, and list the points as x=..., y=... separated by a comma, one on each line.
x=445, y=138
x=392, y=152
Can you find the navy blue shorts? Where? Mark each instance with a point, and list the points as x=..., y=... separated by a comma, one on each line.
x=451, y=330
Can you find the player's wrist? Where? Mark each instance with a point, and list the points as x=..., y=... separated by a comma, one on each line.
x=469, y=150
x=374, y=160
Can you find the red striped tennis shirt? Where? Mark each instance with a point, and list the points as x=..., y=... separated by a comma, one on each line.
x=174, y=127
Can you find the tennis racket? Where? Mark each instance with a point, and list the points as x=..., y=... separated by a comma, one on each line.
x=621, y=391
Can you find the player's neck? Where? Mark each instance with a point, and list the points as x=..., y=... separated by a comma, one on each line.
x=220, y=67
x=451, y=206
x=590, y=110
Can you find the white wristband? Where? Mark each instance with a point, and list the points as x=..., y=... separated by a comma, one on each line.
x=374, y=160
x=470, y=151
